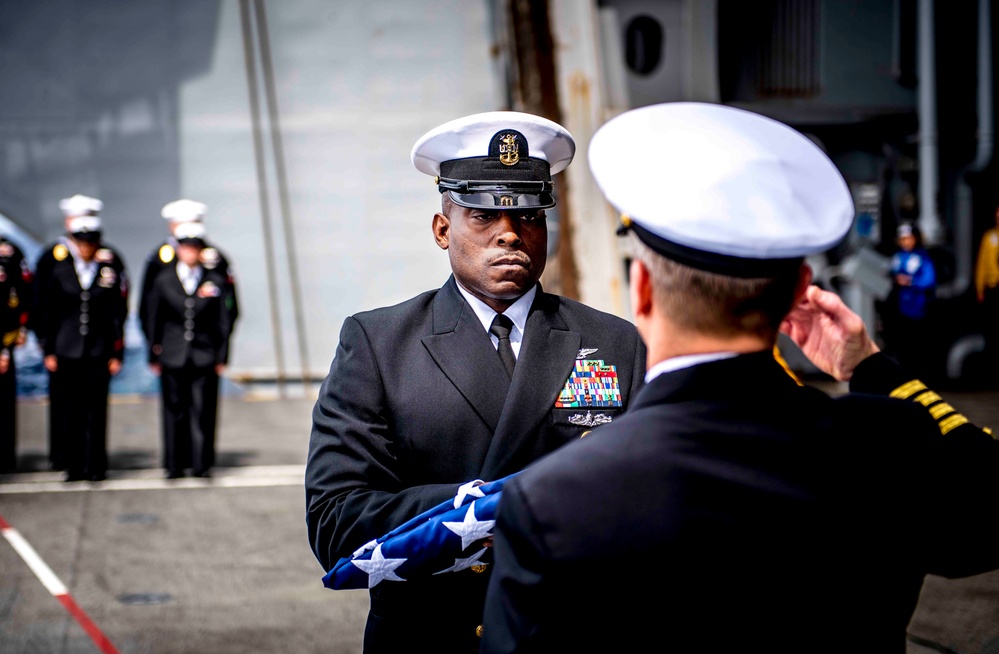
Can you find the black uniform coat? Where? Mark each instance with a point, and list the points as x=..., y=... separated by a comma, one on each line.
x=188, y=329
x=164, y=257
x=416, y=403
x=78, y=323
x=733, y=510
x=43, y=272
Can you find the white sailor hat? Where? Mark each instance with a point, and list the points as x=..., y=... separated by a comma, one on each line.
x=496, y=159
x=719, y=188
x=184, y=211
x=80, y=205
x=85, y=228
x=905, y=229
x=190, y=232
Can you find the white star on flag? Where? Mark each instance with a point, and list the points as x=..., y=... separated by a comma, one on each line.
x=370, y=545
x=471, y=529
x=470, y=488
x=461, y=564
x=379, y=568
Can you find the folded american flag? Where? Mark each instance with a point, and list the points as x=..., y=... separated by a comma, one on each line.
x=446, y=538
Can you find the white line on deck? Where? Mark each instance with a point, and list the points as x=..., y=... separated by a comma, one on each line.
x=118, y=480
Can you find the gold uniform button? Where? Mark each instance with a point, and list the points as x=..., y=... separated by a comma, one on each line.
x=585, y=433
x=479, y=630
x=478, y=569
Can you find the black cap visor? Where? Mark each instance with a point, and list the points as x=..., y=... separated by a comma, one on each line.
x=488, y=183
x=722, y=264
x=503, y=199
x=87, y=237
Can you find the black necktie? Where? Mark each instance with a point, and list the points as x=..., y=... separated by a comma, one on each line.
x=501, y=329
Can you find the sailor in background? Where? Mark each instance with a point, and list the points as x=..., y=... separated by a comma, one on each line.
x=910, y=303
x=177, y=213
x=987, y=290
x=189, y=326
x=85, y=293
x=15, y=296
x=52, y=255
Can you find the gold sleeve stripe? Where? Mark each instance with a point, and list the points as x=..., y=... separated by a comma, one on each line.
x=783, y=364
x=927, y=398
x=940, y=410
x=10, y=337
x=952, y=422
x=908, y=389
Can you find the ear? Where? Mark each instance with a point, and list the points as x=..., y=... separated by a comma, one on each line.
x=805, y=277
x=640, y=287
x=442, y=230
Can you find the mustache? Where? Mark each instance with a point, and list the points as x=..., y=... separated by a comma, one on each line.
x=514, y=256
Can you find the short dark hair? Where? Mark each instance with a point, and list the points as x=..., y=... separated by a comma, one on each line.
x=714, y=304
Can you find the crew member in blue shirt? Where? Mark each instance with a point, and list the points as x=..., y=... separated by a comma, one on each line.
x=914, y=282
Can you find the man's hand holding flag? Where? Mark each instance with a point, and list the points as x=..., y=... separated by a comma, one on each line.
x=447, y=538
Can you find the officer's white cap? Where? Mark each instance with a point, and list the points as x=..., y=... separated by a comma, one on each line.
x=497, y=158
x=190, y=231
x=184, y=211
x=84, y=225
x=905, y=229
x=80, y=205
x=720, y=188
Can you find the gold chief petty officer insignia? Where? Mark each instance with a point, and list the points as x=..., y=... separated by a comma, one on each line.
x=509, y=152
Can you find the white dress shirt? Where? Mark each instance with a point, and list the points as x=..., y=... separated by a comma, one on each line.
x=517, y=312
x=189, y=277
x=85, y=271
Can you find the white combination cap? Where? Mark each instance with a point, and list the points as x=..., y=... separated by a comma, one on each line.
x=905, y=229
x=184, y=211
x=719, y=188
x=497, y=159
x=84, y=225
x=80, y=205
x=192, y=231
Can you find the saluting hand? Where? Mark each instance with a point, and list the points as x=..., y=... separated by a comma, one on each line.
x=832, y=336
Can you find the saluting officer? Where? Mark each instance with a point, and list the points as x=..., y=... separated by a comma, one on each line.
x=177, y=213
x=763, y=515
x=189, y=326
x=86, y=298
x=15, y=289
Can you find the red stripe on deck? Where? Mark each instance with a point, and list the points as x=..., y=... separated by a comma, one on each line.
x=96, y=635
x=88, y=625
